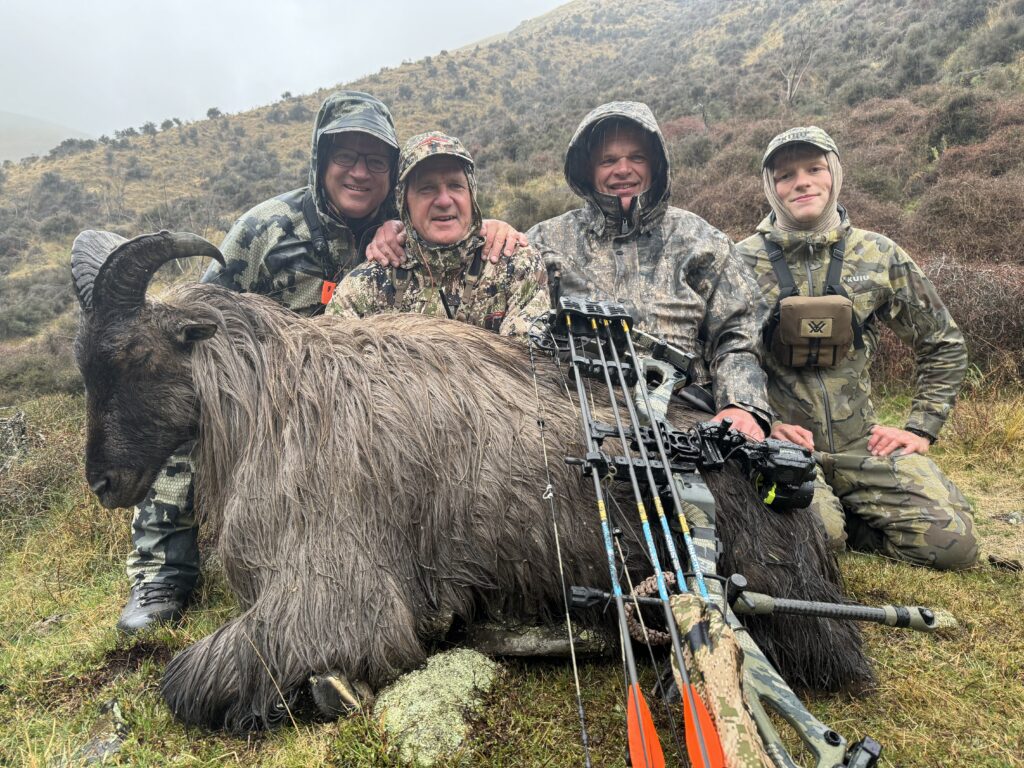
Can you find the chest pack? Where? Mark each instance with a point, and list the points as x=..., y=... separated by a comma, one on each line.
x=811, y=331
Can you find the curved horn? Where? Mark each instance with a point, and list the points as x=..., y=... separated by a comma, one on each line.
x=88, y=253
x=122, y=278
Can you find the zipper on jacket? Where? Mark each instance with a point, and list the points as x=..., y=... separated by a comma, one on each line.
x=817, y=372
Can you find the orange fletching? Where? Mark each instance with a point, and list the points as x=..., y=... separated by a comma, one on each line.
x=644, y=746
x=706, y=733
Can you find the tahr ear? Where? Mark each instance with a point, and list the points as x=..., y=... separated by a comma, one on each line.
x=189, y=333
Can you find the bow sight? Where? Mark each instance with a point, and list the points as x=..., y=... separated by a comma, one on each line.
x=663, y=463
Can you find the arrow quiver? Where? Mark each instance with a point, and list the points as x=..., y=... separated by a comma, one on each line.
x=596, y=339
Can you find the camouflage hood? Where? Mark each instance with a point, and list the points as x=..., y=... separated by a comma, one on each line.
x=606, y=209
x=416, y=150
x=341, y=112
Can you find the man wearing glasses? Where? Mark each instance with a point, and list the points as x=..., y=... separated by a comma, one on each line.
x=294, y=249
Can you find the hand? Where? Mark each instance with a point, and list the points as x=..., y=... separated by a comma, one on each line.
x=742, y=421
x=500, y=238
x=794, y=434
x=388, y=245
x=885, y=440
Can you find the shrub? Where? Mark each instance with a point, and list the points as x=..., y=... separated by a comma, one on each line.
x=1000, y=153
x=987, y=303
x=973, y=216
x=58, y=225
x=40, y=367
x=962, y=118
x=734, y=205
x=26, y=303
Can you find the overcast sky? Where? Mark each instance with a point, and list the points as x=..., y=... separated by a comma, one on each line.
x=103, y=65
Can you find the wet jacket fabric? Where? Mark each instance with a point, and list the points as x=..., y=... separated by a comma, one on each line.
x=270, y=249
x=886, y=286
x=448, y=280
x=678, y=275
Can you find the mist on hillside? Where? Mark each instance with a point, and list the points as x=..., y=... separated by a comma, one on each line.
x=109, y=65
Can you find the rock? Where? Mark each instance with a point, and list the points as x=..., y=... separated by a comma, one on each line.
x=426, y=710
x=50, y=624
x=13, y=436
x=107, y=734
x=549, y=641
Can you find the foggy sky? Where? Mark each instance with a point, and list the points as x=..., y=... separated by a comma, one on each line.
x=105, y=65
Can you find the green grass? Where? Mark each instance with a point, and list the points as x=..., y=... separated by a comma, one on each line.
x=955, y=698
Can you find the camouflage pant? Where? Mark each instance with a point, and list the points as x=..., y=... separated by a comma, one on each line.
x=164, y=528
x=901, y=506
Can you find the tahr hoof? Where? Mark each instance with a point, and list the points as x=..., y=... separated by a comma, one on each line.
x=336, y=696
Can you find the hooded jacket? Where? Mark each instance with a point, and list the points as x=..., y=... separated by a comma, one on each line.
x=271, y=251
x=447, y=280
x=677, y=275
x=885, y=286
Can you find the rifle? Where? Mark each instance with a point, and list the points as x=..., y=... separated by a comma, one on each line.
x=596, y=340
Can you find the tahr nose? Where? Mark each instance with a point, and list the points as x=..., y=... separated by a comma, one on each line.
x=100, y=486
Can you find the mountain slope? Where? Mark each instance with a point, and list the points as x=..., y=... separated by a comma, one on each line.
x=923, y=97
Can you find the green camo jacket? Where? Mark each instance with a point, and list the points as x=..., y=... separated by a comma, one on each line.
x=270, y=251
x=886, y=286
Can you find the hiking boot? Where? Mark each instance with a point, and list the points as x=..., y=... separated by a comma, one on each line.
x=151, y=603
x=335, y=696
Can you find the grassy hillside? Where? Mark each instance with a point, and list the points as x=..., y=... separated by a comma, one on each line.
x=926, y=99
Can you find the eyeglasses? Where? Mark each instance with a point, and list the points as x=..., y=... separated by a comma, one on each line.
x=347, y=158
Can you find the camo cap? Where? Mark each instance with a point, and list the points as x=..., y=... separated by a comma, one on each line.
x=810, y=134
x=424, y=145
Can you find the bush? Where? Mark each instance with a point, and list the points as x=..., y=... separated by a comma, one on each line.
x=26, y=303
x=974, y=217
x=962, y=118
x=987, y=303
x=54, y=194
x=39, y=367
x=1000, y=153
x=734, y=205
x=58, y=225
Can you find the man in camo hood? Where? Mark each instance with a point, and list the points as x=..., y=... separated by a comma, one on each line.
x=444, y=272
x=678, y=275
x=875, y=486
x=293, y=248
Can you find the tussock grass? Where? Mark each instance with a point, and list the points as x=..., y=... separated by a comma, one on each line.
x=954, y=698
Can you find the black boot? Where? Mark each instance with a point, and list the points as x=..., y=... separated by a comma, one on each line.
x=152, y=603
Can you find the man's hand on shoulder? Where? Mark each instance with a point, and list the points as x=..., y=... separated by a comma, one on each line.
x=500, y=239
x=742, y=421
x=885, y=440
x=794, y=434
x=388, y=245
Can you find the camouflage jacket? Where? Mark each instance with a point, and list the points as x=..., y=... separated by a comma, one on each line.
x=886, y=286
x=678, y=275
x=454, y=280
x=270, y=249
x=504, y=297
